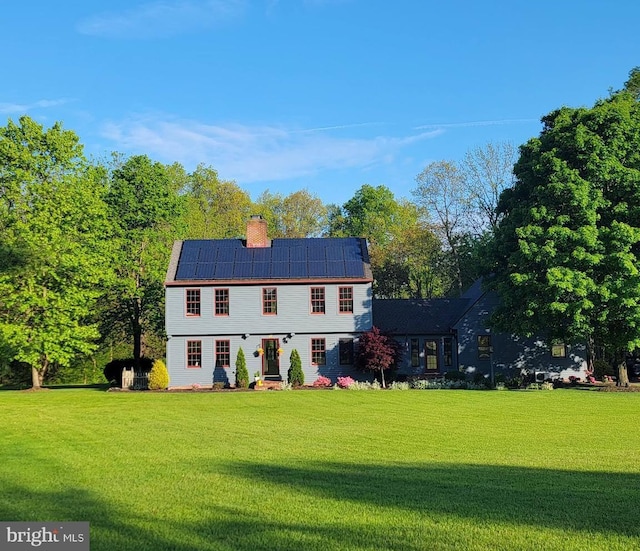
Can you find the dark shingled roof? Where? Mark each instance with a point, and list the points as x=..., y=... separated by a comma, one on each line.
x=418, y=316
x=309, y=258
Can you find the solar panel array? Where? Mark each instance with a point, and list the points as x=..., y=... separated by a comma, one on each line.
x=213, y=259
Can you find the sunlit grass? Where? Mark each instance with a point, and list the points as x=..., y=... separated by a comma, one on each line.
x=326, y=469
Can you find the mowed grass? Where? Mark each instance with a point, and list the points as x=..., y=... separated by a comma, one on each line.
x=325, y=470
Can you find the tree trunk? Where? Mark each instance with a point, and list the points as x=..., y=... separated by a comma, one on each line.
x=36, y=382
x=623, y=375
x=382, y=376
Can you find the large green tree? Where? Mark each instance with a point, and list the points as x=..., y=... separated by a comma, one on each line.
x=53, y=238
x=146, y=211
x=214, y=208
x=566, y=253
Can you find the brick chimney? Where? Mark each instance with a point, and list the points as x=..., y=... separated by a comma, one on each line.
x=257, y=232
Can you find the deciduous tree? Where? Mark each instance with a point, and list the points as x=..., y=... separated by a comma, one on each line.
x=378, y=352
x=567, y=253
x=145, y=211
x=54, y=234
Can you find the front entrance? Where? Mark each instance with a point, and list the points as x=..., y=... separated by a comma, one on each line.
x=271, y=359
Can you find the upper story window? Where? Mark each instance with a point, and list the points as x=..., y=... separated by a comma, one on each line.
x=221, y=306
x=193, y=302
x=194, y=353
x=345, y=300
x=223, y=353
x=318, y=352
x=317, y=300
x=270, y=300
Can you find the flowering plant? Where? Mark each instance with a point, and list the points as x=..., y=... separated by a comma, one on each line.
x=322, y=382
x=195, y=386
x=345, y=382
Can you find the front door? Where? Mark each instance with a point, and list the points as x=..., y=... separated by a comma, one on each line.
x=271, y=359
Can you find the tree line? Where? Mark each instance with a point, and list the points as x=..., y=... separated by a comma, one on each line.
x=553, y=226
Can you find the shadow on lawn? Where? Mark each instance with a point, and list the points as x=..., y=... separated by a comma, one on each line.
x=482, y=494
x=556, y=499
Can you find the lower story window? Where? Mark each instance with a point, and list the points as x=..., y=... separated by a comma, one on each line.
x=431, y=354
x=194, y=353
x=346, y=351
x=448, y=352
x=484, y=347
x=559, y=350
x=223, y=353
x=415, y=352
x=318, y=352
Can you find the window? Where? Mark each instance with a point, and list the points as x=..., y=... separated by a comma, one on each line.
x=346, y=351
x=318, y=352
x=415, y=352
x=317, y=300
x=270, y=301
x=194, y=353
x=223, y=353
x=484, y=347
x=193, y=302
x=431, y=355
x=345, y=300
x=448, y=351
x=221, y=307
x=559, y=350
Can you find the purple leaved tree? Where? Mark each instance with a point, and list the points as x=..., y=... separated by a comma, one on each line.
x=378, y=351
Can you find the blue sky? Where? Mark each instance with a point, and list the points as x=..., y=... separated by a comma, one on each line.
x=326, y=95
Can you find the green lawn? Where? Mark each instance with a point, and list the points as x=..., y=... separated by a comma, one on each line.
x=414, y=470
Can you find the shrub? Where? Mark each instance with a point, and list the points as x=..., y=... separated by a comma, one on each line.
x=296, y=376
x=218, y=385
x=322, y=382
x=601, y=369
x=242, y=374
x=399, y=385
x=365, y=385
x=159, y=376
x=345, y=382
x=455, y=376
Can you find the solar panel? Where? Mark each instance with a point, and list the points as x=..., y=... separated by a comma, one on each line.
x=260, y=269
x=205, y=270
x=298, y=254
x=186, y=270
x=335, y=269
x=280, y=254
x=298, y=269
x=242, y=269
x=334, y=252
x=189, y=252
x=316, y=253
x=353, y=268
x=317, y=269
x=224, y=270
x=280, y=269
x=208, y=254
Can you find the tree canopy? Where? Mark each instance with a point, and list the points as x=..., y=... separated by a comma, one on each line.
x=565, y=255
x=53, y=242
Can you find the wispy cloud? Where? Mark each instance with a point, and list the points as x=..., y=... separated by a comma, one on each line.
x=259, y=153
x=15, y=108
x=162, y=18
x=476, y=123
